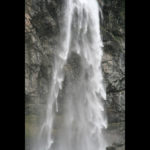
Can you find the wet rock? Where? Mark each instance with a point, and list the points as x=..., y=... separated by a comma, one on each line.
x=113, y=65
x=111, y=148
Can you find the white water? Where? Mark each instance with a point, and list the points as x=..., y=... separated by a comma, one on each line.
x=76, y=121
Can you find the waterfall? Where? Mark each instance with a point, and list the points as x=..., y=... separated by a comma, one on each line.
x=75, y=113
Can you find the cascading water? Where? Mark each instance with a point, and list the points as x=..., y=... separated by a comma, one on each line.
x=75, y=114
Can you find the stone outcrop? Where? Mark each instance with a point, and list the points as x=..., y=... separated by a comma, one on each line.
x=41, y=29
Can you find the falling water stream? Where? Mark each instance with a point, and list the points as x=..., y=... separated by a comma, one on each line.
x=75, y=114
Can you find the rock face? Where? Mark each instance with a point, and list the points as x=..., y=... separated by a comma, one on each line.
x=114, y=69
x=41, y=29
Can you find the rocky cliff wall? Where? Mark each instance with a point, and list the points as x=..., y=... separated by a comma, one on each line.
x=113, y=31
x=41, y=29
